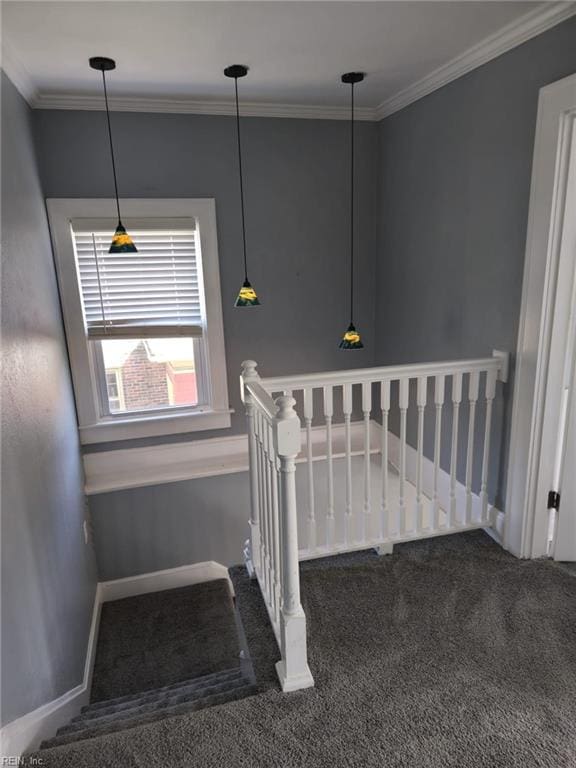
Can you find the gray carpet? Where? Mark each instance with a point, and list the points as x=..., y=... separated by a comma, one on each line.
x=161, y=638
x=448, y=654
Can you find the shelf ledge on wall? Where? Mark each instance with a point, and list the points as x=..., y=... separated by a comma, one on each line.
x=126, y=468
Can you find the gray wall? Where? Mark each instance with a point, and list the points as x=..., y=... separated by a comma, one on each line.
x=297, y=229
x=48, y=573
x=164, y=526
x=443, y=195
x=296, y=174
x=454, y=189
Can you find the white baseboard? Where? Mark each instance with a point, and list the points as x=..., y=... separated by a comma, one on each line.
x=25, y=734
x=172, y=578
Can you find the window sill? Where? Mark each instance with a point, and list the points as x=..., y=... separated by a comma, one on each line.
x=154, y=426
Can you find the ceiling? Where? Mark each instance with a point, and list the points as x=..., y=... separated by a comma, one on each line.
x=296, y=51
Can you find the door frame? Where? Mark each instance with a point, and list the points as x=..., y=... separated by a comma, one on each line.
x=532, y=450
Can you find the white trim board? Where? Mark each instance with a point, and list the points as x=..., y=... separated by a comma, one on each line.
x=542, y=18
x=185, y=106
x=171, y=578
x=170, y=463
x=27, y=732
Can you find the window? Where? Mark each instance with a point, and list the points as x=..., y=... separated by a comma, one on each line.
x=144, y=329
x=114, y=389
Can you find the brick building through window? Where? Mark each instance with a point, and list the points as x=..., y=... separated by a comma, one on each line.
x=144, y=374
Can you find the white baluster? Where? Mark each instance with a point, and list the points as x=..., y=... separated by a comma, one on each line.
x=385, y=408
x=403, y=404
x=366, y=409
x=293, y=670
x=265, y=516
x=280, y=553
x=473, y=387
x=275, y=549
x=253, y=562
x=456, y=400
x=490, y=393
x=269, y=479
x=328, y=414
x=439, y=392
x=347, y=409
x=308, y=415
x=260, y=499
x=262, y=472
x=421, y=397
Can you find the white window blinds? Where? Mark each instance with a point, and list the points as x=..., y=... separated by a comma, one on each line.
x=155, y=292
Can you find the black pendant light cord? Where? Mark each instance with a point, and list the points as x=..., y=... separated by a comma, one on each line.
x=352, y=205
x=111, y=145
x=241, y=181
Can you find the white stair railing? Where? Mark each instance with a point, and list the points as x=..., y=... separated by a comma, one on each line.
x=402, y=493
x=272, y=551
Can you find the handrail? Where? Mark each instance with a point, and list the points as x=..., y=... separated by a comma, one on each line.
x=263, y=399
x=272, y=550
x=498, y=362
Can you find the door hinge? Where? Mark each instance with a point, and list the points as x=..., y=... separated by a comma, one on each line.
x=553, y=500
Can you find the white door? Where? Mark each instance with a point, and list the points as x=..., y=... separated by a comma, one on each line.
x=559, y=429
x=565, y=540
x=540, y=437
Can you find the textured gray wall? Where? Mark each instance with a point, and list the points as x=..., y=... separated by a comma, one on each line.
x=455, y=181
x=148, y=529
x=296, y=174
x=297, y=229
x=48, y=573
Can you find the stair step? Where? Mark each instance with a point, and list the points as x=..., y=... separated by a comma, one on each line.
x=149, y=704
x=199, y=682
x=119, y=724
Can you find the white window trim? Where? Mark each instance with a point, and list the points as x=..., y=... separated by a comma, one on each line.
x=92, y=427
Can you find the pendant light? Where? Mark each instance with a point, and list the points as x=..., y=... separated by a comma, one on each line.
x=247, y=295
x=121, y=241
x=351, y=339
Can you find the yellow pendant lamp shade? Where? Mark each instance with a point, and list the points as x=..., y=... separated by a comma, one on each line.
x=351, y=339
x=247, y=296
x=121, y=241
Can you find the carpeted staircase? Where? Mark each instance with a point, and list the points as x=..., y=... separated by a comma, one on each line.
x=158, y=637
x=140, y=709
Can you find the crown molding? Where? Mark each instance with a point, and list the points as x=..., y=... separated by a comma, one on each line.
x=524, y=28
x=197, y=107
x=17, y=73
x=547, y=15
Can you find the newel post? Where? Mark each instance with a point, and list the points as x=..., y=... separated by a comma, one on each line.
x=252, y=550
x=292, y=669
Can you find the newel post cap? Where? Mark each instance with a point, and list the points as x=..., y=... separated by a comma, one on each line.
x=287, y=427
x=286, y=410
x=249, y=369
x=504, y=358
